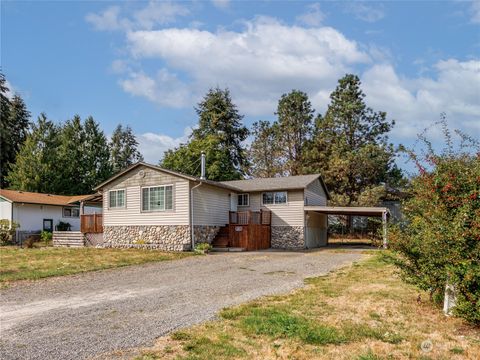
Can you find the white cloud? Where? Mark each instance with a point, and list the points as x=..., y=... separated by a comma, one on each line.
x=369, y=13
x=152, y=145
x=221, y=4
x=258, y=64
x=164, y=89
x=416, y=103
x=314, y=16
x=11, y=90
x=146, y=18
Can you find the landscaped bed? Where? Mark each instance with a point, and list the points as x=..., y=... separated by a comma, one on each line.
x=31, y=264
x=361, y=312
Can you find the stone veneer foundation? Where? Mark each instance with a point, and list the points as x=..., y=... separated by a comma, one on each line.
x=288, y=237
x=159, y=237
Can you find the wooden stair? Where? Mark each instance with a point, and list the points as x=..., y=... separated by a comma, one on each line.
x=222, y=239
x=68, y=239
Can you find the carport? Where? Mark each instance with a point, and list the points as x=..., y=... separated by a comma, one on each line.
x=381, y=212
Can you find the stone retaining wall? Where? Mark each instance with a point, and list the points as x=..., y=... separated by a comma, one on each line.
x=288, y=237
x=160, y=237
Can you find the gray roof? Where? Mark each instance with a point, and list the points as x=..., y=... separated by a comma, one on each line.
x=276, y=183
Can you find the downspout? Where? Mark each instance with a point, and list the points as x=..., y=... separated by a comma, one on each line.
x=192, y=225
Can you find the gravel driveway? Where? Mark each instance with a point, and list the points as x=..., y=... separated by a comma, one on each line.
x=83, y=316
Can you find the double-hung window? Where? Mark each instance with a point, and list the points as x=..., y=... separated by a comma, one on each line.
x=116, y=198
x=243, y=200
x=157, y=198
x=274, y=198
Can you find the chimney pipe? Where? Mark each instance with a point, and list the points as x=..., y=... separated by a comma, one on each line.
x=202, y=158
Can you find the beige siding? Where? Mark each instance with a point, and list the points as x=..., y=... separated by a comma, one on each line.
x=210, y=205
x=316, y=230
x=315, y=194
x=290, y=214
x=132, y=214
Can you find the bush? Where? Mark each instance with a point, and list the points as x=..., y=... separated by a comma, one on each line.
x=7, y=230
x=46, y=237
x=203, y=248
x=439, y=241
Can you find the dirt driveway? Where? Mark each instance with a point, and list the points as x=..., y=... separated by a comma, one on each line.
x=84, y=316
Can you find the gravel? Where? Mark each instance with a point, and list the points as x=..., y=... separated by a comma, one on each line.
x=87, y=315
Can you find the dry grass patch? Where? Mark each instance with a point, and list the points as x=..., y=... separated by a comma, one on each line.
x=361, y=312
x=31, y=264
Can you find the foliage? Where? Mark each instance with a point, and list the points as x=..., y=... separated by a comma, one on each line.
x=46, y=236
x=123, y=148
x=295, y=117
x=7, y=230
x=14, y=124
x=63, y=226
x=203, y=248
x=439, y=242
x=265, y=150
x=350, y=147
x=186, y=159
x=30, y=241
x=220, y=135
x=61, y=159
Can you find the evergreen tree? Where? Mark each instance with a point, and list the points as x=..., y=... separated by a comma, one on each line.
x=220, y=133
x=265, y=151
x=219, y=116
x=14, y=124
x=351, y=149
x=123, y=149
x=295, y=121
x=96, y=155
x=36, y=166
x=186, y=159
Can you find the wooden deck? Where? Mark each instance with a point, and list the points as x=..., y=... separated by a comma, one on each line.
x=91, y=223
x=250, y=230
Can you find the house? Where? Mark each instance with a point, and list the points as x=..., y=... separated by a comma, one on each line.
x=35, y=212
x=148, y=206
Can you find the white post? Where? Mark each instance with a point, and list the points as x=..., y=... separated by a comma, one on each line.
x=384, y=223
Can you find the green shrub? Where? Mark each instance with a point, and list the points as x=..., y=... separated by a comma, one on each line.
x=64, y=226
x=439, y=242
x=7, y=230
x=46, y=236
x=203, y=248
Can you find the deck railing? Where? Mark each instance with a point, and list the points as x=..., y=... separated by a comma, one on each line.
x=262, y=217
x=91, y=223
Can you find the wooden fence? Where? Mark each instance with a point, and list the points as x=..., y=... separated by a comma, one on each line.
x=91, y=223
x=250, y=229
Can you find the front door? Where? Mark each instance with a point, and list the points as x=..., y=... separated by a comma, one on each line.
x=48, y=225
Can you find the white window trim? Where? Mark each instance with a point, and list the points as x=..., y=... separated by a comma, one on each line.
x=164, y=200
x=274, y=203
x=71, y=216
x=124, y=199
x=248, y=200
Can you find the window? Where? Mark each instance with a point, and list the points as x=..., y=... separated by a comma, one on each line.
x=243, y=200
x=274, y=198
x=71, y=212
x=157, y=198
x=116, y=198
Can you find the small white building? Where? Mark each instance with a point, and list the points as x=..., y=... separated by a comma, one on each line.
x=34, y=212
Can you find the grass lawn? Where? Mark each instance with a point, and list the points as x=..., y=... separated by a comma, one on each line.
x=35, y=263
x=360, y=312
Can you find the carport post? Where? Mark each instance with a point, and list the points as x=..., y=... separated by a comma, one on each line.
x=384, y=223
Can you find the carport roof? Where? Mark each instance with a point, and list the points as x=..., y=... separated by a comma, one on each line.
x=348, y=210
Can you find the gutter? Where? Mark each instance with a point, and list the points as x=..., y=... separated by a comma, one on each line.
x=192, y=225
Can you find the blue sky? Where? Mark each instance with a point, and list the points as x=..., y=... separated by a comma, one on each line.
x=148, y=63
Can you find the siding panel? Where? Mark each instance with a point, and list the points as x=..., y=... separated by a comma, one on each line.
x=210, y=205
x=315, y=194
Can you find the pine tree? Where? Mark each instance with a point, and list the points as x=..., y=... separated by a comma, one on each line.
x=36, y=167
x=123, y=149
x=265, y=151
x=295, y=121
x=350, y=147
